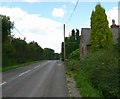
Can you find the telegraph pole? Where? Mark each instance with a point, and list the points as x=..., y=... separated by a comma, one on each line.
x=64, y=40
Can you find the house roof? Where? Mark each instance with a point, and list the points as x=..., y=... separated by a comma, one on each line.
x=85, y=34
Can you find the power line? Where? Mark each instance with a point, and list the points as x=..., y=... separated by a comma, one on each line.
x=18, y=31
x=72, y=12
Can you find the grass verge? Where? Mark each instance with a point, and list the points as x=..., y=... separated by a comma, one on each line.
x=82, y=82
x=16, y=66
x=97, y=74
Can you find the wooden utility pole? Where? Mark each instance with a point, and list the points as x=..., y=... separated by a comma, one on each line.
x=64, y=40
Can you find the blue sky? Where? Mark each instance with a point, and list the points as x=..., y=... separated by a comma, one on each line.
x=82, y=12
x=49, y=17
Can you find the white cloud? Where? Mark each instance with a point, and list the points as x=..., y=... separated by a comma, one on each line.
x=47, y=32
x=113, y=14
x=59, y=12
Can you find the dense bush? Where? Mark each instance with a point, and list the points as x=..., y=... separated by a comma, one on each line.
x=105, y=76
x=98, y=73
x=71, y=43
x=75, y=54
x=102, y=68
x=72, y=65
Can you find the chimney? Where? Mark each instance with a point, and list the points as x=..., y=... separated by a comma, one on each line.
x=114, y=25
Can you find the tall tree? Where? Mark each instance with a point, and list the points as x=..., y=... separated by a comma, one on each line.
x=71, y=43
x=77, y=37
x=101, y=36
x=62, y=51
x=72, y=37
x=17, y=50
x=48, y=54
x=8, y=52
x=19, y=46
x=7, y=25
x=70, y=47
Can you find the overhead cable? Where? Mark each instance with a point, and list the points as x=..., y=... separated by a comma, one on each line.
x=73, y=12
x=18, y=31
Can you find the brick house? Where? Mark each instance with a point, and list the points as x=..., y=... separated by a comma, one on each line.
x=85, y=38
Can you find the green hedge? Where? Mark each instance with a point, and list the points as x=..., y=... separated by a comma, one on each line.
x=97, y=73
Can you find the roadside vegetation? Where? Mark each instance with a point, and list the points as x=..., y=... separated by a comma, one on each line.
x=97, y=73
x=16, y=51
x=72, y=43
x=16, y=66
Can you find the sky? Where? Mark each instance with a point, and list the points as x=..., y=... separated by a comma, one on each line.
x=42, y=21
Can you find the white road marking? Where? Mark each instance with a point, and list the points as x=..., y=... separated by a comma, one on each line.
x=3, y=83
x=27, y=71
x=21, y=74
x=24, y=72
x=37, y=66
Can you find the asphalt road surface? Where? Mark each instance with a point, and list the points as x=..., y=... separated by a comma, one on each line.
x=43, y=79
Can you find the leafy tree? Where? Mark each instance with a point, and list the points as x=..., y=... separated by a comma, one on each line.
x=72, y=37
x=71, y=43
x=17, y=51
x=75, y=54
x=56, y=56
x=8, y=52
x=36, y=51
x=77, y=37
x=70, y=47
x=19, y=46
x=101, y=35
x=8, y=55
x=62, y=51
x=7, y=25
x=48, y=54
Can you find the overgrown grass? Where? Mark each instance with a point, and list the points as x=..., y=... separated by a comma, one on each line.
x=85, y=86
x=96, y=75
x=3, y=69
x=82, y=82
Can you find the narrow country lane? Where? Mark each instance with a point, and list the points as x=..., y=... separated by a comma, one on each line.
x=44, y=79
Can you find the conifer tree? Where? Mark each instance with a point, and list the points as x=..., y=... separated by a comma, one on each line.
x=101, y=35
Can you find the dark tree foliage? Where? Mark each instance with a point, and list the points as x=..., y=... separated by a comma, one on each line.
x=37, y=51
x=72, y=37
x=48, y=53
x=77, y=37
x=70, y=47
x=71, y=43
x=7, y=25
x=8, y=52
x=62, y=51
x=56, y=56
x=19, y=45
x=16, y=51
x=75, y=55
